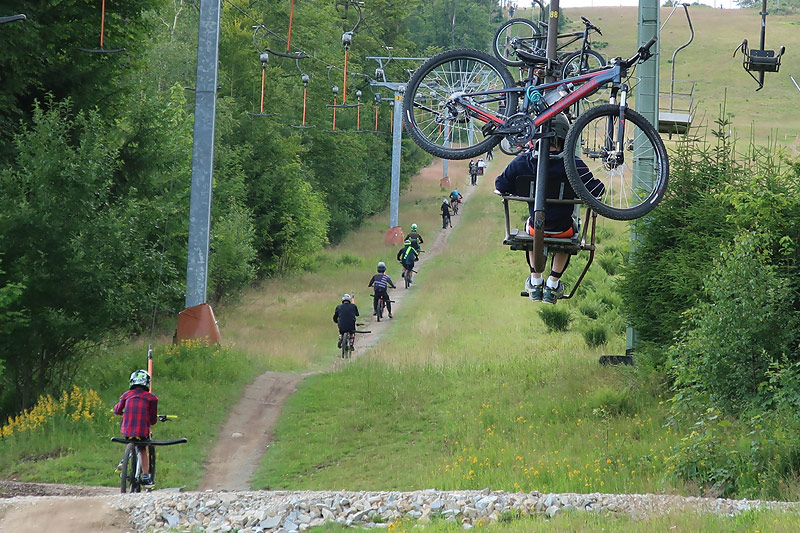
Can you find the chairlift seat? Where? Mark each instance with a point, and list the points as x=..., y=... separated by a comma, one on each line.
x=678, y=123
x=762, y=60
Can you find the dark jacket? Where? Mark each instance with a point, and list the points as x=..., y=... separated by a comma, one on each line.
x=525, y=164
x=407, y=255
x=345, y=315
x=415, y=238
x=380, y=282
x=445, y=210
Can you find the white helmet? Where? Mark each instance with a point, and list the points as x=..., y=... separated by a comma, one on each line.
x=347, y=298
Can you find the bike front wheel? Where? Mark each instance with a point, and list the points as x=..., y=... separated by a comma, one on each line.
x=520, y=33
x=452, y=100
x=628, y=156
x=128, y=482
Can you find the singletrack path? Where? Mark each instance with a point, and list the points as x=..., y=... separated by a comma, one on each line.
x=244, y=438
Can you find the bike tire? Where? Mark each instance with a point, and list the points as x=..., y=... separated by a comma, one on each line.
x=449, y=130
x=345, y=345
x=572, y=63
x=380, y=309
x=634, y=182
x=531, y=38
x=127, y=477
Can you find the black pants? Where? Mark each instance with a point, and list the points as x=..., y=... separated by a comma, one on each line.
x=385, y=296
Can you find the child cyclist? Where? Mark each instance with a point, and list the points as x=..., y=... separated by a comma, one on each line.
x=381, y=281
x=415, y=238
x=407, y=256
x=345, y=316
x=139, y=409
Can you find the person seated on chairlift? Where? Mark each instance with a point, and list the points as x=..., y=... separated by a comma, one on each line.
x=558, y=217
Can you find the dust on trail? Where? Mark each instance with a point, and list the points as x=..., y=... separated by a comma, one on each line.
x=245, y=436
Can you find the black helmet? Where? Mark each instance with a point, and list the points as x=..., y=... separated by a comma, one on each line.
x=381, y=267
x=560, y=125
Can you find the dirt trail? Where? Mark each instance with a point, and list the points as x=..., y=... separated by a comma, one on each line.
x=245, y=436
x=65, y=515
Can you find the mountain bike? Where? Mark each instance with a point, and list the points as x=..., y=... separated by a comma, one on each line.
x=130, y=476
x=472, y=96
x=348, y=342
x=530, y=36
x=455, y=206
x=446, y=220
x=382, y=300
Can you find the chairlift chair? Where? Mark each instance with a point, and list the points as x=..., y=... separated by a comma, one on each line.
x=558, y=192
x=760, y=60
x=264, y=58
x=677, y=117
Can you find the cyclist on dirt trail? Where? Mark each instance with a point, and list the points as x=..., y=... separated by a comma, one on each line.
x=558, y=217
x=345, y=316
x=381, y=281
x=455, y=197
x=139, y=409
x=446, y=213
x=407, y=256
x=415, y=237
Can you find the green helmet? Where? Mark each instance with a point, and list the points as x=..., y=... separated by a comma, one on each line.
x=413, y=227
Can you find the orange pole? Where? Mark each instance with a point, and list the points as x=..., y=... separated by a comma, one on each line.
x=358, y=118
x=391, y=121
x=150, y=365
x=102, y=22
x=344, y=82
x=263, y=78
x=334, y=113
x=376, y=118
x=305, y=93
x=289, y=37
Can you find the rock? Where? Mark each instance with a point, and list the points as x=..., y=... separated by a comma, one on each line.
x=270, y=523
x=552, y=511
x=171, y=519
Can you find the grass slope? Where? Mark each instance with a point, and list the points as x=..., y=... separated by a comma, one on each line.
x=472, y=390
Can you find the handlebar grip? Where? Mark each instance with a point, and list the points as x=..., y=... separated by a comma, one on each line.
x=649, y=43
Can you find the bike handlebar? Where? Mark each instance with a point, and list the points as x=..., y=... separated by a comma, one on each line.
x=642, y=55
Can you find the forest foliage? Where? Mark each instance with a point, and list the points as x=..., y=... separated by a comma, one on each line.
x=95, y=158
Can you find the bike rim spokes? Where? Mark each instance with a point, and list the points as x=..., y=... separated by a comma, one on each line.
x=445, y=118
x=521, y=32
x=627, y=159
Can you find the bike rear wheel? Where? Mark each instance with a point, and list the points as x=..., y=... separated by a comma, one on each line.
x=381, y=306
x=630, y=159
x=522, y=32
x=445, y=122
x=345, y=345
x=128, y=482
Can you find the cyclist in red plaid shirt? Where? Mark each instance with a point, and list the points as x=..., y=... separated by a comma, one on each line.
x=139, y=410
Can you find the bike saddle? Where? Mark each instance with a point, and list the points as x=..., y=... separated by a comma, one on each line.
x=530, y=57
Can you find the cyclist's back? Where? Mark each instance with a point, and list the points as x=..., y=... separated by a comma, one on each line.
x=345, y=316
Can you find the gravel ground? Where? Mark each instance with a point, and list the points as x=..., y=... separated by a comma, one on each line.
x=297, y=511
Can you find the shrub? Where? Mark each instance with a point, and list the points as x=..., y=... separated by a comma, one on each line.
x=610, y=262
x=744, y=325
x=555, y=318
x=595, y=335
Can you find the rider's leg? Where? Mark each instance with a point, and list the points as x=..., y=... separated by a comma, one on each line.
x=375, y=304
x=560, y=264
x=388, y=304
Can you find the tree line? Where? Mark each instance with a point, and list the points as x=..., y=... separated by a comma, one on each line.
x=95, y=158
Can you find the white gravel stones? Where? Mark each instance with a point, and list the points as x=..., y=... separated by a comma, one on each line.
x=260, y=511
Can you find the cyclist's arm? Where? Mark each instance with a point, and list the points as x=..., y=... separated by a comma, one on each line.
x=336, y=315
x=153, y=408
x=594, y=185
x=506, y=181
x=371, y=281
x=354, y=305
x=391, y=283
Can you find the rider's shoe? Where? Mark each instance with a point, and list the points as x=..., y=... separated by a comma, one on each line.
x=551, y=295
x=119, y=468
x=390, y=315
x=535, y=292
x=374, y=313
x=339, y=344
x=147, y=479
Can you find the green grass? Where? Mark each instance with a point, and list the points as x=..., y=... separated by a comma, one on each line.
x=578, y=521
x=470, y=390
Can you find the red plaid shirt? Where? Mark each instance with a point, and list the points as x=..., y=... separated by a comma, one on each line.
x=139, y=410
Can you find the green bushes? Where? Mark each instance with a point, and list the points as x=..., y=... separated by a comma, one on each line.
x=555, y=318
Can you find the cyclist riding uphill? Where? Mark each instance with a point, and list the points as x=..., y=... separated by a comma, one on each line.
x=558, y=217
x=345, y=316
x=446, y=213
x=380, y=282
x=455, y=196
x=139, y=409
x=415, y=237
x=407, y=256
